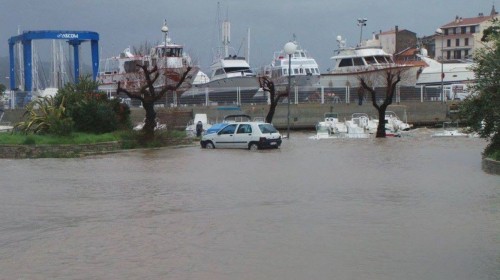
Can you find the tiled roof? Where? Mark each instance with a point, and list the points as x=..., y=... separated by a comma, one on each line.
x=467, y=21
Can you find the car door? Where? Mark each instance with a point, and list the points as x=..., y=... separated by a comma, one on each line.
x=242, y=136
x=225, y=137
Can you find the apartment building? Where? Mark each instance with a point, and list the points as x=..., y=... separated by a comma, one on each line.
x=460, y=38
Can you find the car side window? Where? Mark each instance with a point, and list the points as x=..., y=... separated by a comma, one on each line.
x=244, y=128
x=228, y=129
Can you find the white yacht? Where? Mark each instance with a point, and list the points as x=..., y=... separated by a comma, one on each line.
x=231, y=80
x=169, y=57
x=304, y=70
x=349, y=63
x=453, y=72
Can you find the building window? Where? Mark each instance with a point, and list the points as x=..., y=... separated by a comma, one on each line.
x=457, y=54
x=466, y=53
x=445, y=31
x=448, y=43
x=457, y=42
x=473, y=29
x=448, y=54
x=464, y=29
x=466, y=41
x=454, y=30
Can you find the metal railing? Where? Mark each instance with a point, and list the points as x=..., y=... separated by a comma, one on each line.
x=298, y=95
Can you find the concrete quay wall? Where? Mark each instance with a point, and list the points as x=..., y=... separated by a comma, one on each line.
x=302, y=116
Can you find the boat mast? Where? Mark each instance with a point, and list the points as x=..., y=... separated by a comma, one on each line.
x=20, y=59
x=247, y=55
x=226, y=36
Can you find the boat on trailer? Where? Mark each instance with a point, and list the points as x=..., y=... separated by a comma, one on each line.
x=170, y=58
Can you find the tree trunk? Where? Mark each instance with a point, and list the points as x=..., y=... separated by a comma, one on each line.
x=272, y=110
x=150, y=123
x=381, y=121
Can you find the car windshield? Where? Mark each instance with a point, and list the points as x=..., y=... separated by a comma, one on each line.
x=267, y=128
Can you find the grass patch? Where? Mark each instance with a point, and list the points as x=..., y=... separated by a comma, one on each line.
x=74, y=138
x=130, y=139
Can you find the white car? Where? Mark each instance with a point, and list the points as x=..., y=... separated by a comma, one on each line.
x=246, y=135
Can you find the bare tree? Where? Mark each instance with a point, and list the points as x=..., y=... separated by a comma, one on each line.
x=145, y=91
x=388, y=79
x=267, y=85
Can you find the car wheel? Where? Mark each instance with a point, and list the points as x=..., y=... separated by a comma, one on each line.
x=253, y=147
x=210, y=145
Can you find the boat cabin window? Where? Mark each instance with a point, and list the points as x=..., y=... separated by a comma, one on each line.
x=276, y=73
x=299, y=54
x=236, y=69
x=285, y=72
x=308, y=71
x=381, y=59
x=172, y=52
x=345, y=62
x=358, y=61
x=219, y=71
x=132, y=66
x=370, y=60
x=296, y=71
x=301, y=70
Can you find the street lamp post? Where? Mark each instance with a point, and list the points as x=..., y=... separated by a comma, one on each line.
x=440, y=32
x=361, y=23
x=289, y=48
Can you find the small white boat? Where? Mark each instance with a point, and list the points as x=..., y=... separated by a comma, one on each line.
x=450, y=129
x=393, y=125
x=331, y=127
x=159, y=126
x=191, y=126
x=357, y=126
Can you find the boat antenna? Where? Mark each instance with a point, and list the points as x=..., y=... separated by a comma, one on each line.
x=361, y=23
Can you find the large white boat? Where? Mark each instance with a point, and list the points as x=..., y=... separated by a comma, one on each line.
x=453, y=72
x=349, y=63
x=169, y=57
x=304, y=73
x=231, y=80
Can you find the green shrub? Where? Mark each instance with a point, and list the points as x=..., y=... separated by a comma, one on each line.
x=59, y=126
x=91, y=110
x=43, y=116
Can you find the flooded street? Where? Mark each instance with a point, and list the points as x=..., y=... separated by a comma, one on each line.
x=414, y=207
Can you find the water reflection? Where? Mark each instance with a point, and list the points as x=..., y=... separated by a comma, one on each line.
x=410, y=208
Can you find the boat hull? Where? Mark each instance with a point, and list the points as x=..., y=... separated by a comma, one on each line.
x=351, y=79
x=225, y=90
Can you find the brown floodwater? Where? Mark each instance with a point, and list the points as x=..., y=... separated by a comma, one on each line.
x=414, y=207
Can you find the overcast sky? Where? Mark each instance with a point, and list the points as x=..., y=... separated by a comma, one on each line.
x=316, y=23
